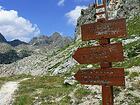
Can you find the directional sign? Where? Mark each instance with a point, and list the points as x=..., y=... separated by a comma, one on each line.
x=105, y=29
x=96, y=54
x=109, y=77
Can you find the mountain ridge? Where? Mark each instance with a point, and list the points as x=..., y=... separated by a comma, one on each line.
x=42, y=40
x=56, y=39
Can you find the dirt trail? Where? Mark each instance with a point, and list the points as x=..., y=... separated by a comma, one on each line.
x=7, y=91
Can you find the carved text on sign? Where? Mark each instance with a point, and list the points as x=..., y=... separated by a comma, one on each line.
x=96, y=54
x=108, y=76
x=105, y=29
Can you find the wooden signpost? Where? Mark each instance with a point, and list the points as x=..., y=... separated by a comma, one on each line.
x=105, y=53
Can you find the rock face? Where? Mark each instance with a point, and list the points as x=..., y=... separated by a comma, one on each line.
x=117, y=9
x=60, y=41
x=41, y=40
x=87, y=16
x=124, y=9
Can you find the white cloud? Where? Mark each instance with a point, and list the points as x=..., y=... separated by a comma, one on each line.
x=73, y=15
x=12, y=26
x=61, y=3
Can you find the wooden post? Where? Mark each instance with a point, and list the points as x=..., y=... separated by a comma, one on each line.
x=107, y=95
x=107, y=91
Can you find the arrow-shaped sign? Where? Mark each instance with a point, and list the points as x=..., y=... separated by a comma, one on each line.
x=96, y=54
x=108, y=76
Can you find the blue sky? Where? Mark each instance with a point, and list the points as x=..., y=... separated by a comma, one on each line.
x=23, y=19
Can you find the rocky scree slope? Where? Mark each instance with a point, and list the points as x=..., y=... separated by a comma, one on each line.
x=53, y=62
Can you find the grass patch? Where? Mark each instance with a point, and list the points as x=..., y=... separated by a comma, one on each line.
x=132, y=49
x=128, y=63
x=66, y=101
x=134, y=74
x=24, y=100
x=46, y=88
x=12, y=78
x=126, y=73
x=133, y=26
x=81, y=92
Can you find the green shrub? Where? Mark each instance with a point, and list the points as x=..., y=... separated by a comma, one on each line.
x=133, y=26
x=134, y=74
x=81, y=92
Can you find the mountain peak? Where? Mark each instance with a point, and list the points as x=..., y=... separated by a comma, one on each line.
x=56, y=33
x=40, y=40
x=55, y=40
x=55, y=36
